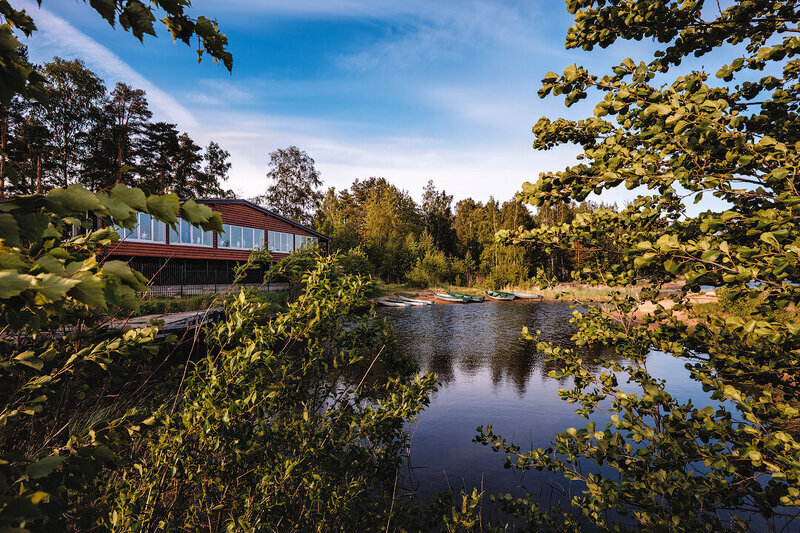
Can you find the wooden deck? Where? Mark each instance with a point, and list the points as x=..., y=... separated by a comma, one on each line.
x=173, y=322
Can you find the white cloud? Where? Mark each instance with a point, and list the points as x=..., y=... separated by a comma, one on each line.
x=58, y=37
x=460, y=161
x=477, y=170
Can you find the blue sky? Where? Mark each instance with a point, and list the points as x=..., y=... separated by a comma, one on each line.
x=409, y=90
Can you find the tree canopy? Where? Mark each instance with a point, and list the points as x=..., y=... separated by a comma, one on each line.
x=733, y=134
x=17, y=76
x=294, y=188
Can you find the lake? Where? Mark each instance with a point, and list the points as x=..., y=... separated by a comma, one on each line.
x=489, y=376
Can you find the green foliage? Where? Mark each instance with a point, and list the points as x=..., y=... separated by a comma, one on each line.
x=428, y=244
x=283, y=426
x=134, y=16
x=287, y=420
x=58, y=364
x=356, y=262
x=294, y=191
x=675, y=466
x=157, y=306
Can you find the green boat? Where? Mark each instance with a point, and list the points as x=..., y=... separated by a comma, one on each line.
x=498, y=295
x=452, y=299
x=468, y=297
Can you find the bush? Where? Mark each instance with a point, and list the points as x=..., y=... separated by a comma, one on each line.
x=277, y=429
x=356, y=262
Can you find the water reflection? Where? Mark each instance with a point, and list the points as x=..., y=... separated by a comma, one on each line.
x=490, y=376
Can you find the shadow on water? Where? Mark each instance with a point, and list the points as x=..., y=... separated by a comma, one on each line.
x=489, y=375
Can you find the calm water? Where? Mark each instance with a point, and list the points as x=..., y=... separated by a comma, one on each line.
x=489, y=376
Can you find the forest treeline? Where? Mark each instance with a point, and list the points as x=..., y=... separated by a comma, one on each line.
x=80, y=131
x=383, y=231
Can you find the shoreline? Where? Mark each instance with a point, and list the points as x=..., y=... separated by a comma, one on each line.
x=560, y=292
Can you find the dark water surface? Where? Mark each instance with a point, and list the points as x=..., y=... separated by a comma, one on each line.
x=489, y=376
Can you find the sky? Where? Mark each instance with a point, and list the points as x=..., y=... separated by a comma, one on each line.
x=409, y=91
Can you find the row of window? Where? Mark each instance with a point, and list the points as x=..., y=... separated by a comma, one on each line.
x=240, y=238
x=237, y=237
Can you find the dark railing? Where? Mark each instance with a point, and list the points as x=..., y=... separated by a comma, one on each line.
x=184, y=278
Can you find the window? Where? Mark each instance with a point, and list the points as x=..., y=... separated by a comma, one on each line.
x=147, y=229
x=301, y=241
x=185, y=233
x=247, y=238
x=240, y=238
x=281, y=242
x=224, y=238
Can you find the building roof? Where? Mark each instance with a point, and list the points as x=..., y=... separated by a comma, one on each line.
x=238, y=201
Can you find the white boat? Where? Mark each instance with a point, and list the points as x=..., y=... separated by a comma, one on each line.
x=448, y=298
x=389, y=303
x=527, y=296
x=414, y=301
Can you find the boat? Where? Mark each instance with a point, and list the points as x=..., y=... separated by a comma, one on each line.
x=498, y=295
x=414, y=301
x=527, y=296
x=386, y=302
x=468, y=297
x=452, y=299
x=400, y=301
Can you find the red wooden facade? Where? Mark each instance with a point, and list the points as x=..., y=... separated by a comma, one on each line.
x=232, y=211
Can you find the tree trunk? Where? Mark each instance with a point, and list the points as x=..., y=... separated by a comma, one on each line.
x=38, y=174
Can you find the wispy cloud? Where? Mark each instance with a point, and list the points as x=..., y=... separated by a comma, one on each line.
x=468, y=30
x=58, y=37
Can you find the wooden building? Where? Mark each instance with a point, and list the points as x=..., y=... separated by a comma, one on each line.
x=186, y=255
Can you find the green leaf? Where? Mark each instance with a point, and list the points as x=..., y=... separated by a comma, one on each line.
x=53, y=287
x=123, y=271
x=29, y=358
x=44, y=467
x=9, y=229
x=124, y=214
x=75, y=199
x=132, y=197
x=200, y=214
x=106, y=8
x=12, y=283
x=165, y=208
x=11, y=261
x=32, y=226
x=89, y=291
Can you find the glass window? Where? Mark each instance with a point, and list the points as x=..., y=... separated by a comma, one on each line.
x=186, y=232
x=271, y=244
x=208, y=238
x=298, y=242
x=224, y=238
x=258, y=239
x=174, y=233
x=159, y=231
x=197, y=235
x=247, y=238
x=236, y=237
x=145, y=227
